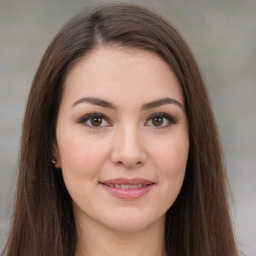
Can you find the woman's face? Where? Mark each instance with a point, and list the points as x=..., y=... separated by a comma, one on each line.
x=122, y=139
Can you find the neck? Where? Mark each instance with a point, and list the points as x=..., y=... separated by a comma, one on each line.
x=96, y=240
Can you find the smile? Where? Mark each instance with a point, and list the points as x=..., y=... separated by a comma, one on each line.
x=127, y=188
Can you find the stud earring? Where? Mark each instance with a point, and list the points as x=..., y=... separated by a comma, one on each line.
x=54, y=163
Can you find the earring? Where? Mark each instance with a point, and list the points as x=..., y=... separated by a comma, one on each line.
x=54, y=163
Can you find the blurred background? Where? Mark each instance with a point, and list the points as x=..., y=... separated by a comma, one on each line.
x=222, y=35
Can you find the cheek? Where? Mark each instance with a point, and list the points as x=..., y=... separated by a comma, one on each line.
x=169, y=159
x=172, y=157
x=82, y=157
x=170, y=163
x=81, y=162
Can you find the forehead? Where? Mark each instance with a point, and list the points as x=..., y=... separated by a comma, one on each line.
x=116, y=72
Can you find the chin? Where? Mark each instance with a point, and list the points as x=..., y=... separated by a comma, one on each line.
x=133, y=223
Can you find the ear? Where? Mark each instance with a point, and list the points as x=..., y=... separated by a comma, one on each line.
x=56, y=155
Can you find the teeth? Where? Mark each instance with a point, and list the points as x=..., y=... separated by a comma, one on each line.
x=126, y=186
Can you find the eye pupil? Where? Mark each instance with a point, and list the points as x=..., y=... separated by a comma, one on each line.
x=157, y=121
x=96, y=121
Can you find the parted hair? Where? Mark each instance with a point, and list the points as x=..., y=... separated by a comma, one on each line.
x=198, y=223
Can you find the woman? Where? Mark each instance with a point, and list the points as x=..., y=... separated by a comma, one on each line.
x=120, y=152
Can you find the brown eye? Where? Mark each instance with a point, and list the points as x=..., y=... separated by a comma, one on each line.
x=157, y=121
x=161, y=120
x=96, y=121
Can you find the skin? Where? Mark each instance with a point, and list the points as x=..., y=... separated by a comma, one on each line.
x=127, y=143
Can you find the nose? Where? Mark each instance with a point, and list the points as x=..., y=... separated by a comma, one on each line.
x=128, y=149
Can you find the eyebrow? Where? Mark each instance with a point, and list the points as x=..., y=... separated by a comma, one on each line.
x=161, y=102
x=107, y=104
x=96, y=101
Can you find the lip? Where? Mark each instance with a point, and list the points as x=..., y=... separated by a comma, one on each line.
x=123, y=188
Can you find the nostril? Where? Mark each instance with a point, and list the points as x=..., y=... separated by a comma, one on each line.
x=128, y=157
x=129, y=164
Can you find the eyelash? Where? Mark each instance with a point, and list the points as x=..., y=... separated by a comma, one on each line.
x=171, y=120
x=88, y=117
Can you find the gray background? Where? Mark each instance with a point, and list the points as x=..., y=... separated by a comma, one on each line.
x=222, y=35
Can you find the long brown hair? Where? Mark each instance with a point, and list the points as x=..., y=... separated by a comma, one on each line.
x=198, y=223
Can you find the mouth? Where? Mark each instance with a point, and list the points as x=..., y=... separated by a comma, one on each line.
x=127, y=188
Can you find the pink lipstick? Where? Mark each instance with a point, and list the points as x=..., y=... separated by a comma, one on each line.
x=127, y=188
